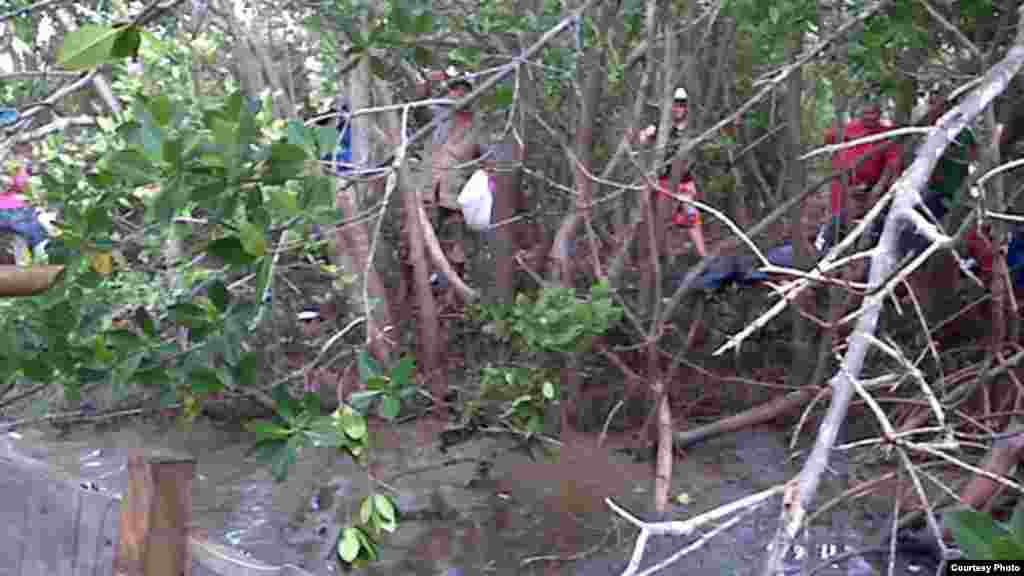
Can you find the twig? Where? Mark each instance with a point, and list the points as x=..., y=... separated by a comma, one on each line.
x=83, y=416
x=23, y=395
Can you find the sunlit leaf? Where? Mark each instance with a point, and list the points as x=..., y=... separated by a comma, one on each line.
x=548, y=389
x=385, y=508
x=327, y=433
x=351, y=422
x=366, y=510
x=87, y=47
x=348, y=545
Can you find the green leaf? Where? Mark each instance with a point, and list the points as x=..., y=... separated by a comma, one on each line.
x=390, y=407
x=127, y=43
x=267, y=430
x=422, y=56
x=207, y=192
x=424, y=23
x=974, y=533
x=205, y=380
x=1017, y=521
x=187, y=314
x=230, y=250
x=1005, y=548
x=385, y=508
x=361, y=401
x=401, y=374
x=124, y=340
x=145, y=322
x=326, y=433
x=133, y=166
x=254, y=242
x=218, y=293
x=368, y=367
x=169, y=201
x=161, y=108
x=379, y=383
x=285, y=202
x=326, y=139
x=285, y=458
x=351, y=422
x=366, y=510
x=154, y=377
x=287, y=161
x=548, y=389
x=296, y=133
x=349, y=545
x=88, y=47
x=245, y=371
x=502, y=97
x=264, y=276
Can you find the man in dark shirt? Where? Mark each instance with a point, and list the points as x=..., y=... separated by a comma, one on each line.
x=685, y=216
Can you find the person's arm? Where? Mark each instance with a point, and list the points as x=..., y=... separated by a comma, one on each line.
x=643, y=137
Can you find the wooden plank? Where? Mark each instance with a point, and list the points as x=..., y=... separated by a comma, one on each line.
x=134, y=516
x=170, y=516
x=155, y=516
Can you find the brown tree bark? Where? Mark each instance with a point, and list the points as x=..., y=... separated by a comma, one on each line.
x=508, y=202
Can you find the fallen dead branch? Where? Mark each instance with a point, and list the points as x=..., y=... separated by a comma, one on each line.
x=684, y=528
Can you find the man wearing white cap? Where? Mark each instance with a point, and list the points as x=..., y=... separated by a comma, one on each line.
x=449, y=160
x=685, y=216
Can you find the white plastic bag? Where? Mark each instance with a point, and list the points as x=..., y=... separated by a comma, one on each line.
x=477, y=201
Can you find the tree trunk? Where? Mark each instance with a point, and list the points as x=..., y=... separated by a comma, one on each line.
x=354, y=239
x=796, y=179
x=507, y=203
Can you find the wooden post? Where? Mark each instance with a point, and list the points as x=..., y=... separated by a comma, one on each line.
x=155, y=515
x=28, y=280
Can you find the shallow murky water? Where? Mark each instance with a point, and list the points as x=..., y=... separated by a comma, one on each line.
x=513, y=520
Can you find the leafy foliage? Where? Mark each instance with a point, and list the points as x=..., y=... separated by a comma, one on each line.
x=544, y=329
x=982, y=538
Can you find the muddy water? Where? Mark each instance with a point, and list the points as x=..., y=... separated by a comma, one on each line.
x=516, y=516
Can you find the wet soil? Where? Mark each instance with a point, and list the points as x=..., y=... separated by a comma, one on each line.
x=516, y=514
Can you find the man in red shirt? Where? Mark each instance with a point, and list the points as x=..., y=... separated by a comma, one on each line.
x=862, y=169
